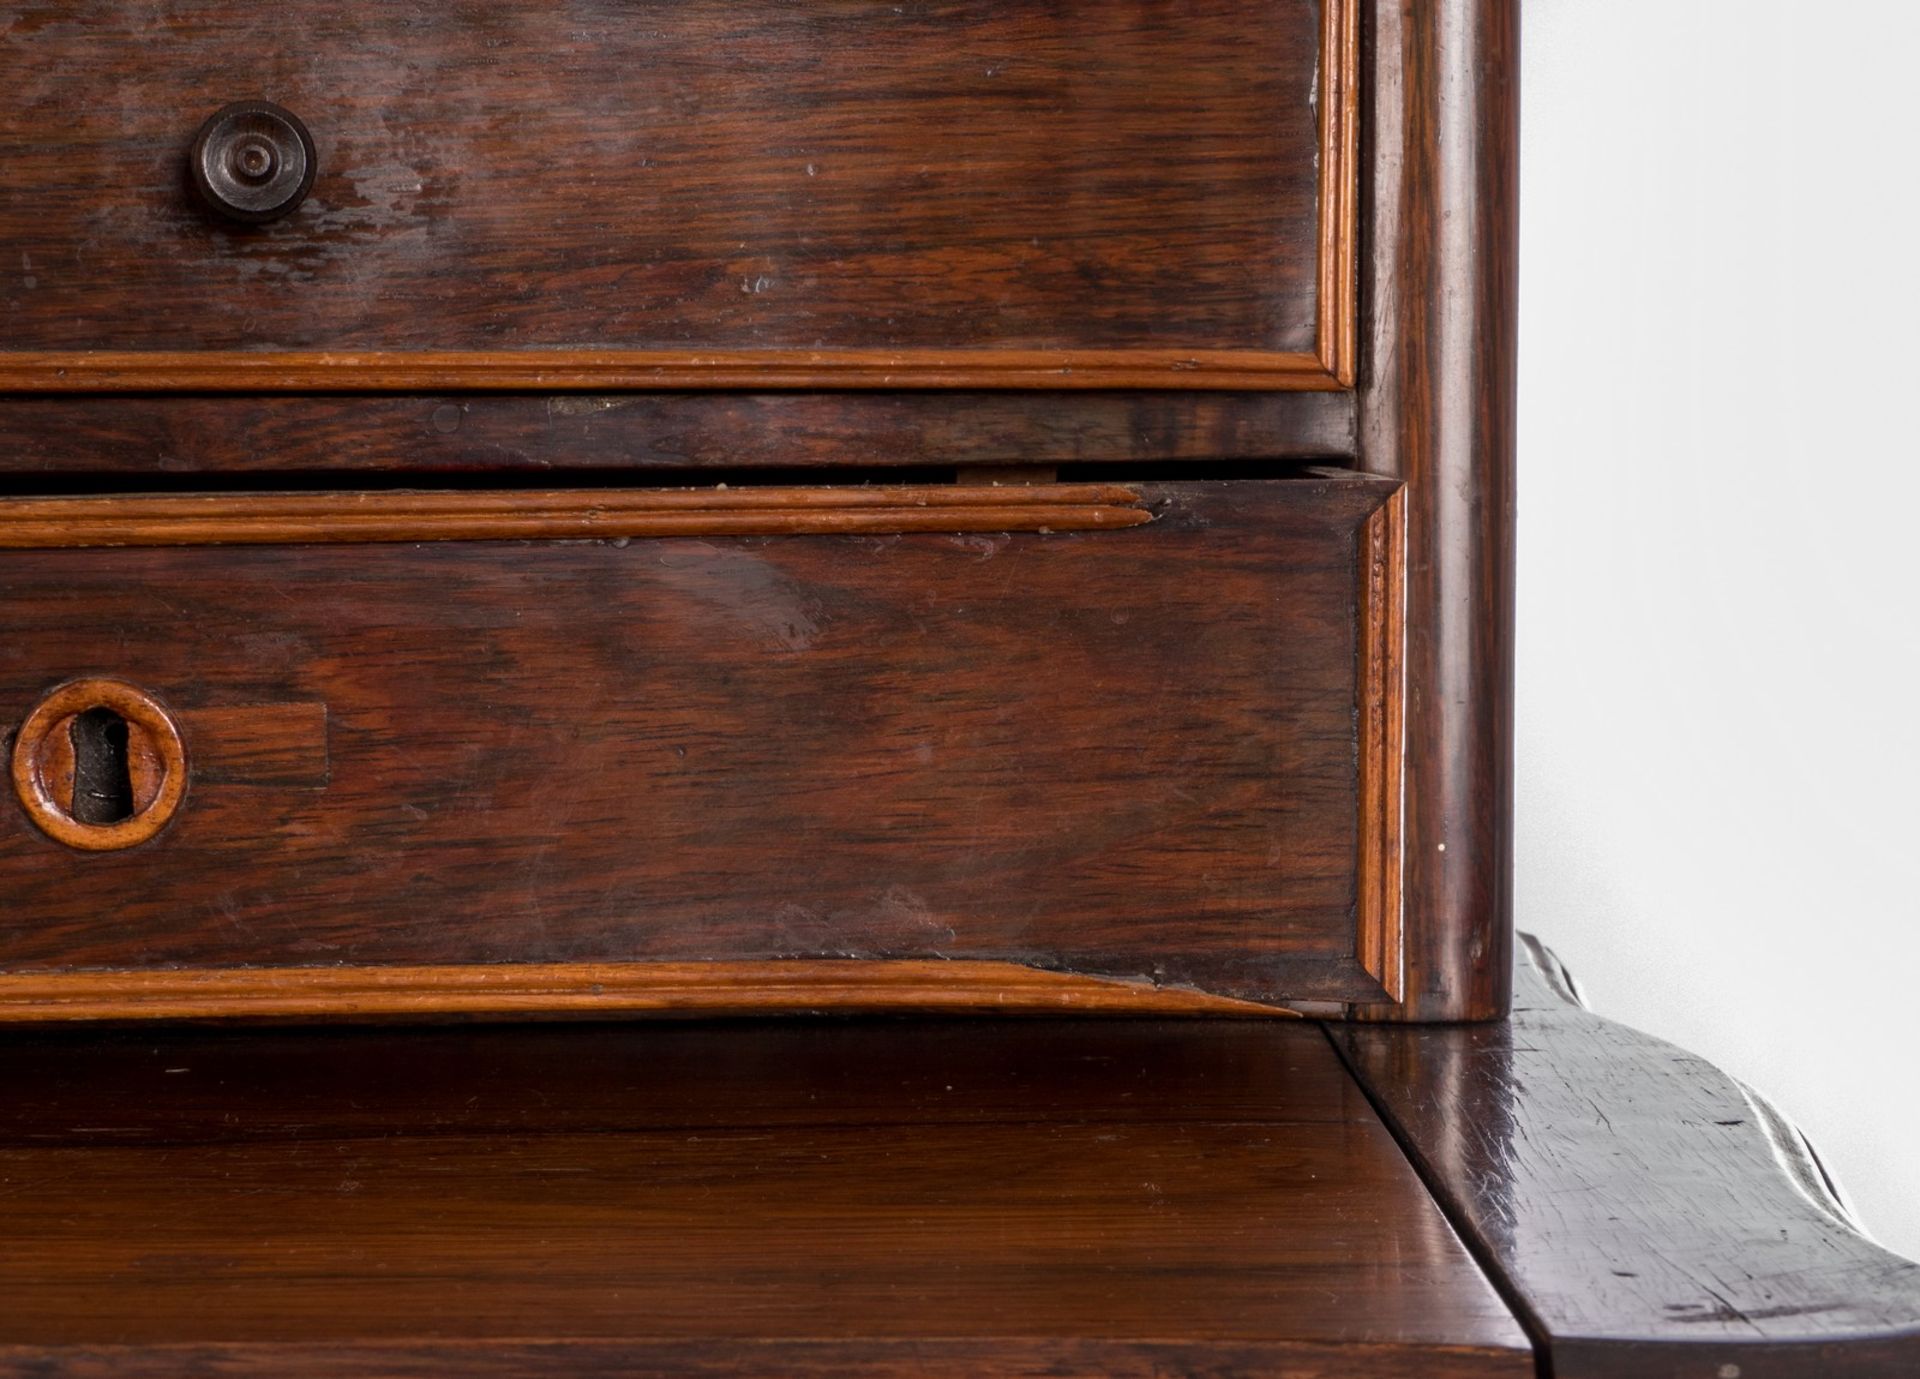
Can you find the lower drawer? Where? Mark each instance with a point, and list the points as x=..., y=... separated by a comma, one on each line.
x=1090, y=746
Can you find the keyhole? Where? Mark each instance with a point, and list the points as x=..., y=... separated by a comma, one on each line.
x=99, y=765
x=102, y=779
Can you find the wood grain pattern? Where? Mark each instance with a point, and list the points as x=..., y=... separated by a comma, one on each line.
x=1653, y=1218
x=1437, y=411
x=790, y=1197
x=702, y=195
x=279, y=745
x=560, y=514
x=1067, y=751
x=66, y=437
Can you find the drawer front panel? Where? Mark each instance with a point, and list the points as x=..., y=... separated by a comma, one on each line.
x=1158, y=754
x=638, y=192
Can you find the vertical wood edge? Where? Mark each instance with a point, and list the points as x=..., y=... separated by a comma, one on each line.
x=1339, y=308
x=1436, y=410
x=1382, y=718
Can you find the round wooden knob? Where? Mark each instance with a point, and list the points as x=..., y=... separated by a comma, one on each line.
x=252, y=162
x=99, y=765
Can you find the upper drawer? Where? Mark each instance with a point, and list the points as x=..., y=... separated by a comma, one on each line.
x=685, y=193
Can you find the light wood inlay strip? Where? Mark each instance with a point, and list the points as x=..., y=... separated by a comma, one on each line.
x=1338, y=327
x=554, y=370
x=715, y=988
x=276, y=519
x=1381, y=611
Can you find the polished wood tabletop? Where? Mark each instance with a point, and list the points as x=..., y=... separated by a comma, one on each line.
x=1039, y=1196
x=1550, y=1194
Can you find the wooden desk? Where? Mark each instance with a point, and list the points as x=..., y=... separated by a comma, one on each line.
x=1043, y=1196
x=854, y=514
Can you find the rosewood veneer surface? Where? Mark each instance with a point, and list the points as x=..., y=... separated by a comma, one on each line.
x=54, y=440
x=721, y=191
x=1041, y=236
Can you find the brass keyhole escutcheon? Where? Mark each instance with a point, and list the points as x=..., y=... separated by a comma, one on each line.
x=99, y=765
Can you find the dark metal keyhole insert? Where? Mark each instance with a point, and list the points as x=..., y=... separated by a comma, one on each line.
x=252, y=161
x=102, y=775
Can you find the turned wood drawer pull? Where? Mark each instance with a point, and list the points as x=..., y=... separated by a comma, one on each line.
x=99, y=765
x=252, y=162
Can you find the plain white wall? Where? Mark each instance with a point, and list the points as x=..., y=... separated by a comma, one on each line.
x=1719, y=584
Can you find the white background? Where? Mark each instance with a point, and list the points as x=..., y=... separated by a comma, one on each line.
x=1719, y=661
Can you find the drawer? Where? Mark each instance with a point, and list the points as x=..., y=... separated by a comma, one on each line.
x=1108, y=747
x=679, y=193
